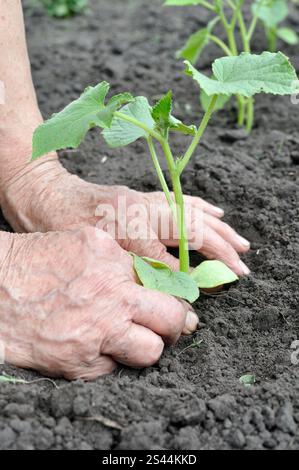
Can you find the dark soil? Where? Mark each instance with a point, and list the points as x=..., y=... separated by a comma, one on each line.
x=191, y=399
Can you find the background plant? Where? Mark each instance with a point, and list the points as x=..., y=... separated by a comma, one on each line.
x=229, y=14
x=125, y=119
x=64, y=8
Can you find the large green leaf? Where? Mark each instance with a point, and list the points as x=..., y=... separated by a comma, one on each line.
x=69, y=127
x=248, y=74
x=196, y=43
x=210, y=274
x=164, y=120
x=158, y=276
x=270, y=12
x=121, y=132
x=288, y=35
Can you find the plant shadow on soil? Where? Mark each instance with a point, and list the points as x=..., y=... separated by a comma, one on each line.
x=191, y=400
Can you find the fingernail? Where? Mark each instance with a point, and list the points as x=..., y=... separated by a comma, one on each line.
x=218, y=210
x=244, y=268
x=243, y=241
x=191, y=322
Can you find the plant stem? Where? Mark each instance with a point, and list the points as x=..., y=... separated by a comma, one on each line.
x=272, y=39
x=245, y=35
x=180, y=207
x=207, y=5
x=181, y=223
x=250, y=115
x=139, y=124
x=221, y=44
x=196, y=139
x=161, y=176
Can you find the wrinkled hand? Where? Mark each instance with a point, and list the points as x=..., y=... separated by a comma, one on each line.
x=48, y=198
x=70, y=306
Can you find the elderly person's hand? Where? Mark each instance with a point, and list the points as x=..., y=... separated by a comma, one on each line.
x=43, y=196
x=70, y=306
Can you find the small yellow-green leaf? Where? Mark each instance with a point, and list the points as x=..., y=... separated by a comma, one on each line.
x=210, y=274
x=247, y=380
x=158, y=276
x=288, y=35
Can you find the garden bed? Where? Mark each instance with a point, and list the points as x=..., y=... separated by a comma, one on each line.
x=192, y=399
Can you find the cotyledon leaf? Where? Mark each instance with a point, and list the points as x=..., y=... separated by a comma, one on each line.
x=158, y=276
x=248, y=74
x=210, y=274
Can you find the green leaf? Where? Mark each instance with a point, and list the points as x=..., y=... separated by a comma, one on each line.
x=288, y=35
x=194, y=46
x=177, y=126
x=121, y=132
x=247, y=380
x=196, y=43
x=158, y=276
x=248, y=74
x=270, y=12
x=161, y=112
x=183, y=3
x=164, y=120
x=210, y=274
x=69, y=127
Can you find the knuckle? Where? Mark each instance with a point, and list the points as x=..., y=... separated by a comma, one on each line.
x=154, y=352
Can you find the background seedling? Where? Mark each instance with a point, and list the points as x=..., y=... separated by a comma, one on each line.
x=14, y=380
x=229, y=14
x=248, y=380
x=272, y=13
x=125, y=119
x=64, y=8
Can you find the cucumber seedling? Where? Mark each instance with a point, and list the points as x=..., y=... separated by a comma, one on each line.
x=64, y=8
x=125, y=119
x=229, y=14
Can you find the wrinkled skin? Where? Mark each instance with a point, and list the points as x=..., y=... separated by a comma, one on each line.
x=70, y=306
x=43, y=196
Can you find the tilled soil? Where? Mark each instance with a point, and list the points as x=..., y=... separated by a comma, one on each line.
x=192, y=398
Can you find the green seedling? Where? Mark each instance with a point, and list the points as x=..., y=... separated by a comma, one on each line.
x=229, y=14
x=272, y=14
x=64, y=8
x=125, y=119
x=248, y=380
x=14, y=380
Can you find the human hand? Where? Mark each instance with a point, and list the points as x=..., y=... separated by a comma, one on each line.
x=48, y=198
x=70, y=306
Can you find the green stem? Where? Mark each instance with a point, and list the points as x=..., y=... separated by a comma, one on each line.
x=181, y=223
x=161, y=176
x=272, y=39
x=207, y=5
x=139, y=124
x=196, y=139
x=241, y=110
x=221, y=44
x=245, y=35
x=250, y=115
x=180, y=207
